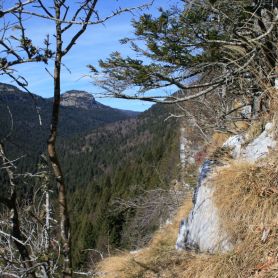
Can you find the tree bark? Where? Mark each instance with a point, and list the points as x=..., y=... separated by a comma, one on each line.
x=65, y=236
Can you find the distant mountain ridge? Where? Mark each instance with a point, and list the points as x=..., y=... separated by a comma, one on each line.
x=84, y=100
x=11, y=92
x=8, y=88
x=79, y=114
x=72, y=98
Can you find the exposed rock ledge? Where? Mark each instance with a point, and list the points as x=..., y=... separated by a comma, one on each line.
x=79, y=99
x=201, y=230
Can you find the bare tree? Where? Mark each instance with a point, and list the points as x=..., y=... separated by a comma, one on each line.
x=73, y=19
x=85, y=11
x=25, y=229
x=152, y=208
x=16, y=47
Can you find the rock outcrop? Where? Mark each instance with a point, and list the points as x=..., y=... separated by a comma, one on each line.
x=201, y=230
x=187, y=149
x=79, y=99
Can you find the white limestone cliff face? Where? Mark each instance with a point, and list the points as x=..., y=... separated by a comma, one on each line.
x=256, y=149
x=261, y=145
x=183, y=144
x=79, y=99
x=235, y=143
x=186, y=149
x=201, y=230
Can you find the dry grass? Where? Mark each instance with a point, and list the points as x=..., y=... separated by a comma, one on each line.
x=254, y=130
x=247, y=198
x=216, y=142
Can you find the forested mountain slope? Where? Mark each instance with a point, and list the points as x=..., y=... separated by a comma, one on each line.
x=113, y=166
x=20, y=112
x=109, y=158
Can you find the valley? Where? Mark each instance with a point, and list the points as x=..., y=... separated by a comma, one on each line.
x=106, y=154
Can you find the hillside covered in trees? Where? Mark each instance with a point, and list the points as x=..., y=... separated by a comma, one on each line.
x=113, y=166
x=105, y=157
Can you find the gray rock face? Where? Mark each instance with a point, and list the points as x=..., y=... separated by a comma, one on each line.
x=186, y=149
x=79, y=99
x=201, y=230
x=257, y=148
x=188, y=146
x=260, y=146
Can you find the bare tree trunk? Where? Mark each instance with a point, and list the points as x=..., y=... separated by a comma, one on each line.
x=65, y=236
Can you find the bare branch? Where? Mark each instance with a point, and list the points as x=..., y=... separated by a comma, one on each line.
x=16, y=8
x=85, y=22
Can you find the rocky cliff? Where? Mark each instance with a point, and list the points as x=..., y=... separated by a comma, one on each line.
x=79, y=99
x=201, y=230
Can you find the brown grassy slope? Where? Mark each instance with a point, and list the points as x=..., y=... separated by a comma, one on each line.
x=247, y=198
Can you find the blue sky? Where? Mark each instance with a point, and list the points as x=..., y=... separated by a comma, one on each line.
x=97, y=43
